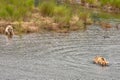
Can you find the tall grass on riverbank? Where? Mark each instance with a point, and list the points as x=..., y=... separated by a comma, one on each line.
x=109, y=3
x=93, y=2
x=15, y=10
x=114, y=3
x=49, y=15
x=60, y=13
x=47, y=8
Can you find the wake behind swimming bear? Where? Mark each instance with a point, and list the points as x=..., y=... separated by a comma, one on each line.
x=101, y=61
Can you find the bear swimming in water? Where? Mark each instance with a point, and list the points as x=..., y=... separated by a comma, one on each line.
x=101, y=61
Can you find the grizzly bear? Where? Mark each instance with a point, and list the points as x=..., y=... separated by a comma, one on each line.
x=9, y=31
x=101, y=61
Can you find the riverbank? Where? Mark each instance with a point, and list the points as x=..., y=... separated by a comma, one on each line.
x=39, y=23
x=111, y=6
x=49, y=16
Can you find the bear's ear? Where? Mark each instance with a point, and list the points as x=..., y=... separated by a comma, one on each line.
x=103, y=58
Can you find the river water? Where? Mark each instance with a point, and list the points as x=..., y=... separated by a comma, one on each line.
x=61, y=56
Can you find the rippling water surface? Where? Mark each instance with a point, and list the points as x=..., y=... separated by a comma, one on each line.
x=58, y=56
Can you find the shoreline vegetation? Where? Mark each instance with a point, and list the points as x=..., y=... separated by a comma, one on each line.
x=55, y=15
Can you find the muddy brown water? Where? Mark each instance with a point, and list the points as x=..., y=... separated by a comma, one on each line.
x=60, y=56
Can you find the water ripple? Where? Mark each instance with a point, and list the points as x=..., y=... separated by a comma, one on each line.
x=60, y=56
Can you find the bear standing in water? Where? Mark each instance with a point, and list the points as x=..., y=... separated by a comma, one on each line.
x=9, y=31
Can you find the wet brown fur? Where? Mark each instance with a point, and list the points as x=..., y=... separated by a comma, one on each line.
x=100, y=60
x=9, y=31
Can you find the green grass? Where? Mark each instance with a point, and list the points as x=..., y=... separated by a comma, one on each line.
x=91, y=1
x=18, y=10
x=47, y=8
x=113, y=3
x=15, y=10
x=60, y=13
